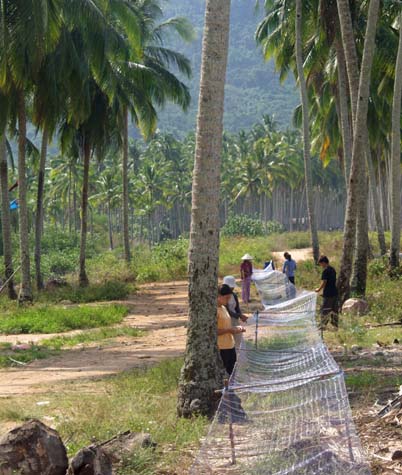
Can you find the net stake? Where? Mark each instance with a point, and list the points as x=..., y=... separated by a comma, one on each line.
x=231, y=434
x=257, y=316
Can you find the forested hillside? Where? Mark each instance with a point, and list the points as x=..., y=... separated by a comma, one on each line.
x=253, y=88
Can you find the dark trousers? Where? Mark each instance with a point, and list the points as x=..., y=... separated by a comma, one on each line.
x=292, y=280
x=330, y=310
x=228, y=359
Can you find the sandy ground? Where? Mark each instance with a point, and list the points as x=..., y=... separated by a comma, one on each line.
x=297, y=254
x=161, y=309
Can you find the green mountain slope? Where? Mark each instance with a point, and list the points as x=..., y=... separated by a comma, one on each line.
x=253, y=87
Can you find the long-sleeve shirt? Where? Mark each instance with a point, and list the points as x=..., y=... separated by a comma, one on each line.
x=289, y=267
x=246, y=269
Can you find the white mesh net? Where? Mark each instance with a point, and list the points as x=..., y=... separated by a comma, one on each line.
x=286, y=409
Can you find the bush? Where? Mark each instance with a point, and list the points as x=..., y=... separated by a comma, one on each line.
x=60, y=319
x=165, y=261
x=378, y=267
x=243, y=225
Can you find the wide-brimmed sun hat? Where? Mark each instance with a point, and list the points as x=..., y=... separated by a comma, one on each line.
x=247, y=257
x=230, y=281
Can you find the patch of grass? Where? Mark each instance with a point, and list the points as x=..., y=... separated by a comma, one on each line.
x=54, y=319
x=361, y=381
x=91, y=336
x=103, y=292
x=10, y=357
x=139, y=400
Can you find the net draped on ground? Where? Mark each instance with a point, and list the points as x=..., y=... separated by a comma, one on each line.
x=286, y=409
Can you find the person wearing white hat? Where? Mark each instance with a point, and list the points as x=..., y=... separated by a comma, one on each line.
x=234, y=309
x=246, y=271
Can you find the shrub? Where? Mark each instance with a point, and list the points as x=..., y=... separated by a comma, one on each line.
x=242, y=225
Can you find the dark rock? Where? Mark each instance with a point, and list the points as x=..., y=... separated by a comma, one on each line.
x=91, y=460
x=125, y=444
x=32, y=449
x=397, y=455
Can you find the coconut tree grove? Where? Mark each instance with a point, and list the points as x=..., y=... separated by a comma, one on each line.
x=83, y=85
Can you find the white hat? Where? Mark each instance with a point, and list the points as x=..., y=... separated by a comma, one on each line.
x=230, y=281
x=247, y=257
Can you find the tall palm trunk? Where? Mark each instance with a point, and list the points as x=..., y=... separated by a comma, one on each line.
x=110, y=225
x=376, y=200
x=396, y=158
x=83, y=278
x=356, y=198
x=344, y=110
x=26, y=288
x=306, y=132
x=5, y=219
x=359, y=276
x=200, y=375
x=126, y=236
x=39, y=209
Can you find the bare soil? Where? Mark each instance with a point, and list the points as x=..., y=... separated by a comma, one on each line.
x=161, y=309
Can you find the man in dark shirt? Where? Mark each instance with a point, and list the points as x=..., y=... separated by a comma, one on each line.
x=330, y=292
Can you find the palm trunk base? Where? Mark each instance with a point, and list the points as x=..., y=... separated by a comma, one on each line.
x=25, y=296
x=198, y=397
x=83, y=279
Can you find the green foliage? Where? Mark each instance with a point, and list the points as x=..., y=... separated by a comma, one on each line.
x=243, y=225
x=164, y=261
x=11, y=357
x=54, y=319
x=378, y=267
x=103, y=292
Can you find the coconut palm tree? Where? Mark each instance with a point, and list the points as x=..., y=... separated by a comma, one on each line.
x=306, y=130
x=200, y=375
x=396, y=157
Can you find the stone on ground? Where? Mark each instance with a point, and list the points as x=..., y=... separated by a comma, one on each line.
x=32, y=449
x=91, y=460
x=355, y=307
x=125, y=444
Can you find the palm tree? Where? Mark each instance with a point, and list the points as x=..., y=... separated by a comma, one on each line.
x=5, y=219
x=200, y=375
x=306, y=131
x=396, y=157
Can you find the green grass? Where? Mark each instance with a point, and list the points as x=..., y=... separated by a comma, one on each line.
x=91, y=336
x=140, y=400
x=53, y=346
x=56, y=319
x=96, y=292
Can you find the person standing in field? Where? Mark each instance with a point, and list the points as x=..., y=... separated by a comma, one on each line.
x=246, y=271
x=234, y=309
x=226, y=332
x=289, y=267
x=330, y=292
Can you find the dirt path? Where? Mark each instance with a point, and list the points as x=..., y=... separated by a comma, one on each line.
x=161, y=309
x=297, y=254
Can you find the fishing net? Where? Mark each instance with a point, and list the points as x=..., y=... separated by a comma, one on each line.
x=285, y=409
x=273, y=287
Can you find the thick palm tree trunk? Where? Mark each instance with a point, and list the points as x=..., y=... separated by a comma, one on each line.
x=359, y=277
x=25, y=293
x=356, y=198
x=396, y=158
x=344, y=110
x=306, y=132
x=376, y=200
x=39, y=210
x=126, y=236
x=201, y=374
x=83, y=278
x=5, y=219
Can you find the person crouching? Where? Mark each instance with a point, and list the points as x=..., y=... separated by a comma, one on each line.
x=226, y=341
